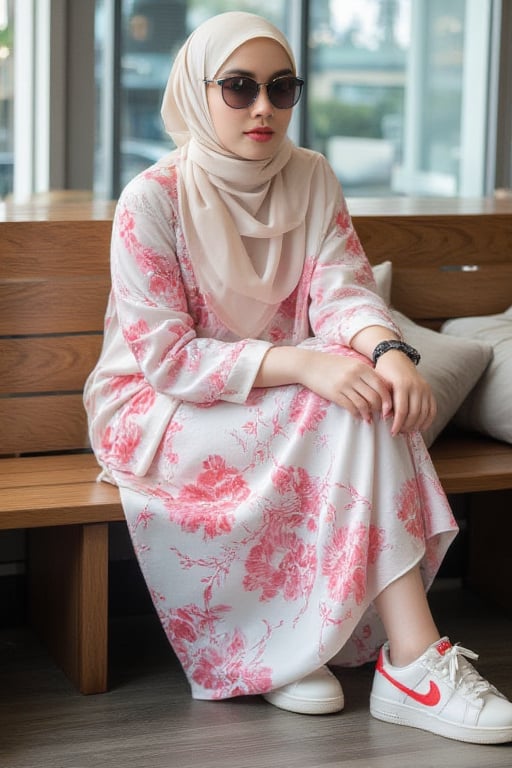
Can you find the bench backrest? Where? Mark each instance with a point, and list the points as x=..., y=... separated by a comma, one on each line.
x=54, y=282
x=443, y=265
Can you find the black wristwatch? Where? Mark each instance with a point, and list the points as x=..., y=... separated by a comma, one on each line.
x=385, y=346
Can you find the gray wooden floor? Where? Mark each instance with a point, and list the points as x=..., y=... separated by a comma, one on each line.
x=148, y=719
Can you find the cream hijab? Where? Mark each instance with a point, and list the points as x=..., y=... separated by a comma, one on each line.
x=243, y=220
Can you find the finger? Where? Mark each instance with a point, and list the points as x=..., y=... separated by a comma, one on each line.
x=378, y=393
x=400, y=412
x=358, y=405
x=371, y=396
x=420, y=414
x=384, y=389
x=430, y=414
x=344, y=401
x=362, y=405
x=416, y=412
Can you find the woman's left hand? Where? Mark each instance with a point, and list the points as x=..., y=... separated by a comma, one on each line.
x=414, y=405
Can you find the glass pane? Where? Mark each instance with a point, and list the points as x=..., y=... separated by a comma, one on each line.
x=152, y=32
x=386, y=91
x=395, y=95
x=6, y=97
x=358, y=63
x=443, y=66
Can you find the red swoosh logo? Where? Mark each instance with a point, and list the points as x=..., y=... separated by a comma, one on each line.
x=429, y=699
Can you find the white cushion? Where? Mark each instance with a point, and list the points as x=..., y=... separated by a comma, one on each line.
x=488, y=407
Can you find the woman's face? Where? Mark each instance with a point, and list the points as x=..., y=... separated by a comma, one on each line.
x=254, y=132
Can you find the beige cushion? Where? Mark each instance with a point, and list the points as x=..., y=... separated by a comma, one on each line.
x=488, y=407
x=383, y=274
x=451, y=366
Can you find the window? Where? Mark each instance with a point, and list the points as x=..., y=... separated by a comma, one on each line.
x=398, y=94
x=6, y=98
x=151, y=32
x=405, y=97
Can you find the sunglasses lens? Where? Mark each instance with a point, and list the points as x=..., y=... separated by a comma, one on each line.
x=239, y=92
x=284, y=92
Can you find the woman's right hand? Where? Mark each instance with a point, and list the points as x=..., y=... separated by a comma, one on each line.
x=347, y=381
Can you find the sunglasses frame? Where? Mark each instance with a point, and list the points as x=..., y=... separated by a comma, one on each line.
x=298, y=81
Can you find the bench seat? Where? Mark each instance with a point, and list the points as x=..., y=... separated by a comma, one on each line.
x=471, y=463
x=55, y=490
x=48, y=491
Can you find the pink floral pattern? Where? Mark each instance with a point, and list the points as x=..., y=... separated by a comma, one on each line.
x=347, y=556
x=208, y=502
x=265, y=521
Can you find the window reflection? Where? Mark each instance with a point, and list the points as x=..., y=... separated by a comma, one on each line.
x=358, y=62
x=6, y=97
x=152, y=32
x=387, y=86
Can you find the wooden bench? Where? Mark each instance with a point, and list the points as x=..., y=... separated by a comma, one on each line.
x=53, y=289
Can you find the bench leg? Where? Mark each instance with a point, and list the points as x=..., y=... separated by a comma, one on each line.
x=68, y=596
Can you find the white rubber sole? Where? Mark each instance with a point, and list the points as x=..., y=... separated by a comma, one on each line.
x=302, y=706
x=401, y=714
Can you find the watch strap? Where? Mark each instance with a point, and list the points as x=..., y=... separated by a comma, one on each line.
x=401, y=346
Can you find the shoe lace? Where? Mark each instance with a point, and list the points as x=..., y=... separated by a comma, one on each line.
x=461, y=673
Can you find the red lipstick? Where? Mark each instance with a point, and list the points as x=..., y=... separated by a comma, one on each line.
x=261, y=133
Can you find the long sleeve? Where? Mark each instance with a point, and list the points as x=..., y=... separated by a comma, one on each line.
x=153, y=307
x=343, y=298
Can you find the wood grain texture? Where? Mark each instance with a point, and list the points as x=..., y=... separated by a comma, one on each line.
x=426, y=294
x=47, y=363
x=436, y=239
x=68, y=599
x=35, y=424
x=471, y=465
x=52, y=249
x=30, y=307
x=48, y=470
x=428, y=253
x=72, y=503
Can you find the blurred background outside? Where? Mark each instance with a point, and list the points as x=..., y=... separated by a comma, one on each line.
x=403, y=96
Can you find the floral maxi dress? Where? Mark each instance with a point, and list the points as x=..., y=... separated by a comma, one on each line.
x=265, y=521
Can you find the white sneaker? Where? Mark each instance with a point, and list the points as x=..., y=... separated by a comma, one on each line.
x=319, y=693
x=443, y=693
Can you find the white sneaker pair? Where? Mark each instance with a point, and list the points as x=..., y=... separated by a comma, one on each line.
x=440, y=692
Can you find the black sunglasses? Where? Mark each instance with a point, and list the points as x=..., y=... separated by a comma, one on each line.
x=239, y=92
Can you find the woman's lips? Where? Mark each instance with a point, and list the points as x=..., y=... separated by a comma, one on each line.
x=260, y=134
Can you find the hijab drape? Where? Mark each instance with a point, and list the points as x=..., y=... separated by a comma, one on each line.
x=243, y=220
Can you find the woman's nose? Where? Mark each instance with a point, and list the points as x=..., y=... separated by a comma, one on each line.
x=262, y=105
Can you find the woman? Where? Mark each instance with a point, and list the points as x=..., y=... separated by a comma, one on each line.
x=260, y=413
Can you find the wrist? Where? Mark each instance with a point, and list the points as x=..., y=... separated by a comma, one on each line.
x=282, y=366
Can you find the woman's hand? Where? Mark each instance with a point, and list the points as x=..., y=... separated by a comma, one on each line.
x=394, y=388
x=414, y=406
x=347, y=381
